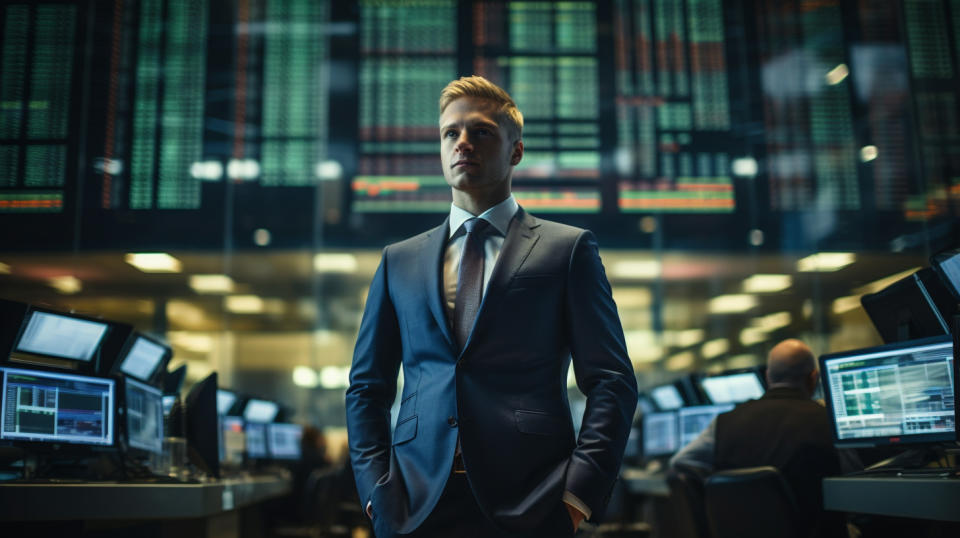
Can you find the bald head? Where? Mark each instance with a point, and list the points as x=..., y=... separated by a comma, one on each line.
x=792, y=364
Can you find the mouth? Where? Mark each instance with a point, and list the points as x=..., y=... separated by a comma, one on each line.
x=464, y=163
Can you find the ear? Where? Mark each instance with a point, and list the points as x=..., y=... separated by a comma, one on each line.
x=517, y=154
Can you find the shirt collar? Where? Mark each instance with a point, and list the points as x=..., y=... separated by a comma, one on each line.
x=499, y=216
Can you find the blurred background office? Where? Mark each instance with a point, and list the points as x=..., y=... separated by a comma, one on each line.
x=223, y=174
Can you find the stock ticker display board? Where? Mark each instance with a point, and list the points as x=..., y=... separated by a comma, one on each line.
x=169, y=123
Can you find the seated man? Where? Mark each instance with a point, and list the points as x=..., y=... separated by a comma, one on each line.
x=784, y=428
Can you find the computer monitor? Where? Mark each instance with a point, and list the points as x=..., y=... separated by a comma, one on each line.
x=667, y=397
x=660, y=435
x=256, y=433
x=917, y=306
x=54, y=407
x=60, y=336
x=694, y=419
x=225, y=400
x=947, y=266
x=168, y=401
x=143, y=357
x=260, y=410
x=143, y=405
x=203, y=426
x=732, y=387
x=234, y=440
x=900, y=393
x=283, y=440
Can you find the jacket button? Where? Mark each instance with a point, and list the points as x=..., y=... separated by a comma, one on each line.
x=452, y=422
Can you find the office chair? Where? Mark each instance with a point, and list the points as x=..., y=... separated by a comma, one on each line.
x=686, y=499
x=753, y=502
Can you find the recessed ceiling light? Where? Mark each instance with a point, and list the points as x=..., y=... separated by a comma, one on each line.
x=244, y=304
x=211, y=283
x=825, y=262
x=154, y=262
x=767, y=283
x=732, y=304
x=332, y=262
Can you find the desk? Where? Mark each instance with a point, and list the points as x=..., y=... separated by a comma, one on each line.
x=640, y=481
x=919, y=498
x=213, y=507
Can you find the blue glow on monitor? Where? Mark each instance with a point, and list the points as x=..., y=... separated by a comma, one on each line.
x=144, y=416
x=61, y=336
x=53, y=407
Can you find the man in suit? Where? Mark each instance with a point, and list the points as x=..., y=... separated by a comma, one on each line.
x=785, y=429
x=485, y=313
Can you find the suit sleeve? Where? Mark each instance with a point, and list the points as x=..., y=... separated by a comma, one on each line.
x=373, y=386
x=604, y=374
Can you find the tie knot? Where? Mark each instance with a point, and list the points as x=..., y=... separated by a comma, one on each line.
x=475, y=225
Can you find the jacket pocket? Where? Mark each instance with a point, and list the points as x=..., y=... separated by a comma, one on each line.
x=538, y=423
x=405, y=430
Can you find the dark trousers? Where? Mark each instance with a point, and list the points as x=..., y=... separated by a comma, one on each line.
x=458, y=515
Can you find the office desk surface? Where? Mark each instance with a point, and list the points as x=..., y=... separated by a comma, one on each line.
x=645, y=482
x=920, y=498
x=118, y=500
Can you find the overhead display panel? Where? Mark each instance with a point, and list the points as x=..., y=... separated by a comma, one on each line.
x=158, y=124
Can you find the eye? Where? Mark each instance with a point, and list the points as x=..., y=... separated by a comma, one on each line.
x=483, y=131
x=450, y=133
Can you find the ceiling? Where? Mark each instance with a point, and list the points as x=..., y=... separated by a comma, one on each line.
x=309, y=310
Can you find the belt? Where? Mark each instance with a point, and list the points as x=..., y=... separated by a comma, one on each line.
x=458, y=467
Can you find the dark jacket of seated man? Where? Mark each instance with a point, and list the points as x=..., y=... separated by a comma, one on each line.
x=785, y=429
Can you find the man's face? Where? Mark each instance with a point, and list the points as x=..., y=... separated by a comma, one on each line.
x=477, y=153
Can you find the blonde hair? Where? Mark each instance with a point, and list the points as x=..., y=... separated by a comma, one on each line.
x=508, y=114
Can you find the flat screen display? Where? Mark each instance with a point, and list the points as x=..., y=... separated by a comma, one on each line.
x=143, y=358
x=732, y=388
x=256, y=440
x=667, y=397
x=168, y=401
x=660, y=435
x=260, y=411
x=234, y=440
x=900, y=393
x=225, y=401
x=693, y=420
x=144, y=416
x=284, y=440
x=61, y=336
x=53, y=407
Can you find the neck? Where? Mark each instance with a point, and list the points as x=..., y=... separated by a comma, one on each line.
x=788, y=386
x=478, y=202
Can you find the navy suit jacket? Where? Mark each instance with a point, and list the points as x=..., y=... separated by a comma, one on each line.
x=505, y=393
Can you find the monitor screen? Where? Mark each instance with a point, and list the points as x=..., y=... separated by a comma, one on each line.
x=947, y=266
x=168, y=401
x=901, y=393
x=732, y=388
x=143, y=358
x=61, y=336
x=234, y=440
x=667, y=397
x=695, y=419
x=256, y=440
x=284, y=441
x=225, y=401
x=260, y=410
x=52, y=407
x=144, y=416
x=660, y=436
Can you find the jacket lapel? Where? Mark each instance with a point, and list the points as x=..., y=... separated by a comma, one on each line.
x=520, y=239
x=432, y=249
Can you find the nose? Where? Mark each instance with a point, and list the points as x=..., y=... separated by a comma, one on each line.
x=463, y=143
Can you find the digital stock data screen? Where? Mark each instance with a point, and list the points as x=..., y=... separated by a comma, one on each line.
x=150, y=120
x=900, y=393
x=660, y=434
x=144, y=409
x=693, y=420
x=53, y=407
